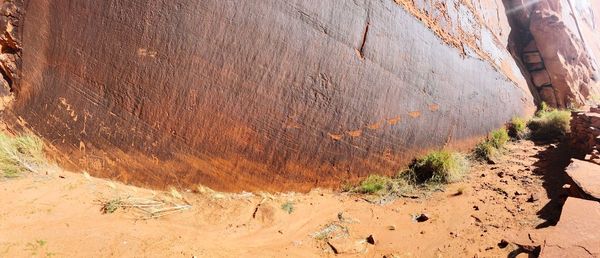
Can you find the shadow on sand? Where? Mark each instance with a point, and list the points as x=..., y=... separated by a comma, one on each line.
x=551, y=166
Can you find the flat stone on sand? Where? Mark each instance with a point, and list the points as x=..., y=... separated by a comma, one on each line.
x=586, y=175
x=577, y=233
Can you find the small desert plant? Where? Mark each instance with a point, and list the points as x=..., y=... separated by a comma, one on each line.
x=38, y=247
x=347, y=187
x=439, y=167
x=517, y=128
x=485, y=151
x=549, y=125
x=499, y=138
x=382, y=185
x=374, y=184
x=331, y=230
x=544, y=108
x=111, y=206
x=20, y=154
x=595, y=98
x=426, y=173
x=288, y=207
x=493, y=145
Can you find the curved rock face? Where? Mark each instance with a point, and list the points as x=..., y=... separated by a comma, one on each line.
x=271, y=95
x=556, y=41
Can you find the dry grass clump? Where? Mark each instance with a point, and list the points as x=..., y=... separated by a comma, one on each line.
x=485, y=151
x=550, y=124
x=111, y=206
x=499, y=138
x=332, y=230
x=382, y=185
x=493, y=145
x=146, y=207
x=374, y=184
x=20, y=154
x=438, y=167
x=517, y=128
x=426, y=173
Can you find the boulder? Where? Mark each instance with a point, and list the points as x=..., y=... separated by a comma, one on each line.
x=586, y=176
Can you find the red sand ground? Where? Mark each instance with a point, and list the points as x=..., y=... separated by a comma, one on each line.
x=48, y=215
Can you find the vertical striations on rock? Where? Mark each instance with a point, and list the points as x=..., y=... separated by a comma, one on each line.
x=271, y=95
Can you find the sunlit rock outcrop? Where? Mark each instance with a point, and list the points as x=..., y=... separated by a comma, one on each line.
x=272, y=95
x=556, y=41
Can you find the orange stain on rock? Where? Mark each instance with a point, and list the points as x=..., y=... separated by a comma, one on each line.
x=375, y=125
x=336, y=137
x=355, y=133
x=393, y=121
x=434, y=107
x=414, y=114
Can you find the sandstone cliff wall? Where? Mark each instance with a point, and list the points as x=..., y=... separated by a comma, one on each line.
x=556, y=41
x=273, y=95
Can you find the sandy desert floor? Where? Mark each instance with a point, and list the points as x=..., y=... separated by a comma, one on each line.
x=58, y=214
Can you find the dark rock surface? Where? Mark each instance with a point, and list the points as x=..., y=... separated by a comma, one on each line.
x=267, y=95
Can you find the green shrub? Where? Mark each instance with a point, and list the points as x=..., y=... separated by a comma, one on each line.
x=550, y=125
x=492, y=146
x=374, y=184
x=427, y=173
x=485, y=151
x=288, y=207
x=499, y=138
x=544, y=108
x=517, y=128
x=440, y=167
x=382, y=185
x=20, y=154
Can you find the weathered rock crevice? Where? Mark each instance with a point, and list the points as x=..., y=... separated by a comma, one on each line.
x=10, y=46
x=548, y=46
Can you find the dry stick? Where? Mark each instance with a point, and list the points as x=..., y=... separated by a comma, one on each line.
x=151, y=207
x=158, y=214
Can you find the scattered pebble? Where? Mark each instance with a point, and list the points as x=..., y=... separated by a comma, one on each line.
x=517, y=193
x=370, y=239
x=533, y=198
x=422, y=218
x=503, y=244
